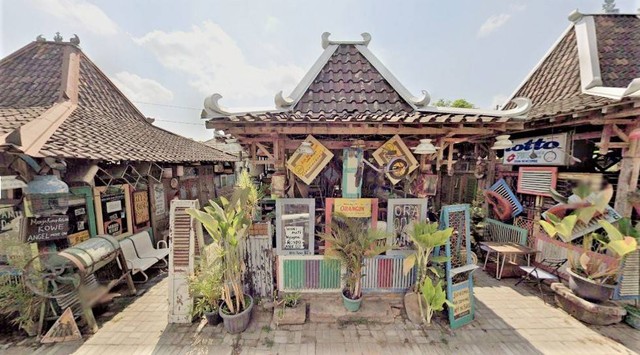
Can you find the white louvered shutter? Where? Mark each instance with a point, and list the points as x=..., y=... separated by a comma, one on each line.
x=537, y=180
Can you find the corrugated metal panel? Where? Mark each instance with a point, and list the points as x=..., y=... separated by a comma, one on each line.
x=537, y=180
x=258, y=258
x=501, y=232
x=629, y=283
x=384, y=274
x=502, y=189
x=309, y=273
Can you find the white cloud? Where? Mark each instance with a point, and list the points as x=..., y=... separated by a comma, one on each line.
x=493, y=23
x=79, y=12
x=498, y=100
x=215, y=63
x=141, y=89
x=272, y=24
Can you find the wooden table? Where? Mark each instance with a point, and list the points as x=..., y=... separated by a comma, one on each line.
x=505, y=250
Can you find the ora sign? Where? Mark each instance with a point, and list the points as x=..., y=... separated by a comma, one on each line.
x=541, y=150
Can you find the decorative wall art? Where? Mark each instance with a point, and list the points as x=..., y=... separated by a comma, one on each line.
x=425, y=185
x=396, y=158
x=401, y=213
x=307, y=167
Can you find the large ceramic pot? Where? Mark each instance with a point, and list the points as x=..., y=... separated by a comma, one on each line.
x=589, y=290
x=633, y=316
x=351, y=305
x=237, y=323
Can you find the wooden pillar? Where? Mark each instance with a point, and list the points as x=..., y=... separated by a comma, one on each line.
x=629, y=175
x=491, y=169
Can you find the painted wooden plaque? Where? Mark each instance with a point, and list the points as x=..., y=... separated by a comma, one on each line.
x=295, y=226
x=401, y=213
x=395, y=150
x=307, y=167
x=141, y=207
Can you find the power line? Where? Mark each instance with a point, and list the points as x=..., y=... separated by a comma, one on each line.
x=191, y=123
x=164, y=105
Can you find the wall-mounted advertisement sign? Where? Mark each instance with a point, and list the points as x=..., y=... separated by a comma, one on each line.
x=114, y=210
x=308, y=166
x=353, y=207
x=44, y=229
x=542, y=150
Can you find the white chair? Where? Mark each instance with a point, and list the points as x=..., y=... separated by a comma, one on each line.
x=135, y=263
x=144, y=248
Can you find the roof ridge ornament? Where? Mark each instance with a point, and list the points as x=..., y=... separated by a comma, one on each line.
x=366, y=38
x=421, y=101
x=281, y=101
x=575, y=16
x=212, y=107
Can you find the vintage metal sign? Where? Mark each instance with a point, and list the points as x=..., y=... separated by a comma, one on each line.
x=307, y=167
x=541, y=150
x=141, y=207
x=401, y=213
x=353, y=207
x=396, y=159
x=44, y=229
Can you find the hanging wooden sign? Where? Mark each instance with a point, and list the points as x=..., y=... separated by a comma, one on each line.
x=396, y=158
x=308, y=166
x=141, y=207
x=44, y=229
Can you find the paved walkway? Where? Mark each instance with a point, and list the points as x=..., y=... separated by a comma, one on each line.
x=508, y=321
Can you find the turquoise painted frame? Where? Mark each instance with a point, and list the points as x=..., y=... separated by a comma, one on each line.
x=348, y=191
x=87, y=193
x=451, y=288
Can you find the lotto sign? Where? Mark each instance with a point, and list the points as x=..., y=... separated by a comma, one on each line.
x=541, y=150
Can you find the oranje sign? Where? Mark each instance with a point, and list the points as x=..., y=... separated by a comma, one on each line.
x=307, y=167
x=353, y=207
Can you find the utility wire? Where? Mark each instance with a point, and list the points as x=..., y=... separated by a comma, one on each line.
x=164, y=105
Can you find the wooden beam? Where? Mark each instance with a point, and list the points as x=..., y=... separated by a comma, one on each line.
x=622, y=114
x=264, y=150
x=612, y=145
x=604, y=140
x=586, y=136
x=620, y=133
x=263, y=162
x=612, y=121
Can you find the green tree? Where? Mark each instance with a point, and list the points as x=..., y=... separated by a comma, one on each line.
x=459, y=103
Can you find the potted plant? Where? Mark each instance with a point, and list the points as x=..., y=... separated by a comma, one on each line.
x=634, y=200
x=351, y=241
x=589, y=278
x=206, y=284
x=426, y=237
x=227, y=223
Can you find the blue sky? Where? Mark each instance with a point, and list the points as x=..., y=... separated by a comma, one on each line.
x=168, y=55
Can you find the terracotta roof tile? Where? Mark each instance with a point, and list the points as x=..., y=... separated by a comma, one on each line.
x=554, y=87
x=349, y=84
x=105, y=125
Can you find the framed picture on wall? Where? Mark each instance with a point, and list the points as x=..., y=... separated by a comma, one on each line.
x=295, y=226
x=113, y=210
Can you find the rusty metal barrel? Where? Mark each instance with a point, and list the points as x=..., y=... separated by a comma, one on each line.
x=92, y=254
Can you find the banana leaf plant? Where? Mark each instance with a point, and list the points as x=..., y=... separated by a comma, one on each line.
x=227, y=223
x=350, y=242
x=425, y=237
x=434, y=296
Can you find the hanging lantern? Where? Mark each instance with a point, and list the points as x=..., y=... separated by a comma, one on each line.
x=502, y=142
x=425, y=147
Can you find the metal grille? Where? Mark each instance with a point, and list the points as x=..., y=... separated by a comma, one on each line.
x=457, y=220
x=531, y=226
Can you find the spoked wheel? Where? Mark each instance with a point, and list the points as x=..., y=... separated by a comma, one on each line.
x=51, y=275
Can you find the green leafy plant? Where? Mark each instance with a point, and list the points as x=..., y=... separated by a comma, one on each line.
x=206, y=283
x=350, y=242
x=17, y=303
x=426, y=237
x=291, y=300
x=434, y=296
x=254, y=194
x=561, y=227
x=619, y=241
x=227, y=223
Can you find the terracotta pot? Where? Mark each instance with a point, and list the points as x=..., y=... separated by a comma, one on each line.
x=588, y=289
